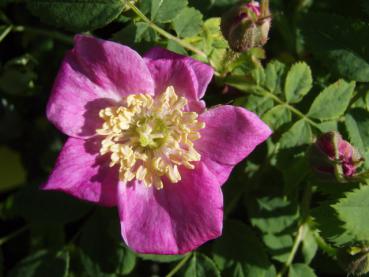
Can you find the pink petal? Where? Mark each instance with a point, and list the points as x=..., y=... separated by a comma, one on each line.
x=174, y=220
x=96, y=73
x=189, y=77
x=81, y=172
x=231, y=134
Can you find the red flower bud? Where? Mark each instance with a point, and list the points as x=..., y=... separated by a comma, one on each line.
x=246, y=26
x=333, y=155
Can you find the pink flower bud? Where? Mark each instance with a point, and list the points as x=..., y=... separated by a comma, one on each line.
x=246, y=26
x=333, y=155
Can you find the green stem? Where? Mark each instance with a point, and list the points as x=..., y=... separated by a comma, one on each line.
x=179, y=265
x=291, y=108
x=163, y=32
x=323, y=245
x=13, y=235
x=5, y=33
x=47, y=33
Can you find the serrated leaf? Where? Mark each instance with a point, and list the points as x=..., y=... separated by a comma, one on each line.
x=279, y=246
x=309, y=245
x=299, y=134
x=166, y=10
x=333, y=101
x=188, y=22
x=255, y=103
x=76, y=15
x=298, y=82
x=338, y=41
x=357, y=125
x=200, y=266
x=275, y=73
x=232, y=252
x=353, y=210
x=299, y=270
x=277, y=116
x=272, y=215
x=12, y=171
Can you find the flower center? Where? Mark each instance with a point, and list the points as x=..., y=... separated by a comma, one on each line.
x=149, y=138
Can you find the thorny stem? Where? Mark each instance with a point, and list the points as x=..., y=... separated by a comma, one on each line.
x=179, y=265
x=163, y=32
x=13, y=235
x=301, y=232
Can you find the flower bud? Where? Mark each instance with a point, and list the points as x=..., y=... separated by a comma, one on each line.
x=332, y=155
x=247, y=25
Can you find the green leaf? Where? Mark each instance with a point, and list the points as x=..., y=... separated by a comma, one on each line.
x=309, y=245
x=76, y=15
x=273, y=215
x=275, y=73
x=357, y=125
x=201, y=266
x=333, y=101
x=232, y=252
x=166, y=10
x=188, y=22
x=279, y=246
x=277, y=116
x=338, y=41
x=12, y=171
x=298, y=82
x=255, y=103
x=299, y=270
x=353, y=211
x=42, y=264
x=299, y=134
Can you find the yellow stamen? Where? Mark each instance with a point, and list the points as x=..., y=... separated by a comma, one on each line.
x=149, y=138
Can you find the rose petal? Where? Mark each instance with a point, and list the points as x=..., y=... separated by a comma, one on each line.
x=174, y=220
x=96, y=73
x=231, y=134
x=81, y=172
x=189, y=77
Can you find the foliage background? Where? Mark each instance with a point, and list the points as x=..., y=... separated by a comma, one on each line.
x=280, y=220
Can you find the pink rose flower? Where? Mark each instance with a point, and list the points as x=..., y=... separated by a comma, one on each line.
x=141, y=139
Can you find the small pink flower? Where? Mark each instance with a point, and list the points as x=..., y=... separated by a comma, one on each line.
x=141, y=139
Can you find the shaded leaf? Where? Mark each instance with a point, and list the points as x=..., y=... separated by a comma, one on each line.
x=166, y=10
x=199, y=266
x=277, y=116
x=299, y=134
x=299, y=270
x=12, y=171
x=76, y=15
x=188, y=22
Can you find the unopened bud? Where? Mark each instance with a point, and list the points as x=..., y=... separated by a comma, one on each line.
x=247, y=25
x=331, y=155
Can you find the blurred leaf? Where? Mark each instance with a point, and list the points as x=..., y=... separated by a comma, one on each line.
x=298, y=82
x=200, y=265
x=42, y=263
x=332, y=102
x=277, y=116
x=340, y=42
x=188, y=22
x=76, y=15
x=12, y=172
x=161, y=258
x=166, y=10
x=299, y=134
x=233, y=255
x=299, y=270
x=353, y=211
